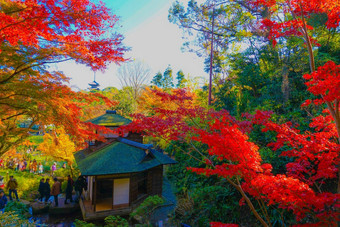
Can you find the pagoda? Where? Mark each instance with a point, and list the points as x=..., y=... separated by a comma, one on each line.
x=121, y=172
x=94, y=85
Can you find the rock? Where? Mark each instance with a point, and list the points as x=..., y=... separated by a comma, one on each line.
x=39, y=207
x=27, y=203
x=64, y=209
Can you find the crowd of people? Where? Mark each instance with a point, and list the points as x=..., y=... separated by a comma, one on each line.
x=23, y=165
x=46, y=191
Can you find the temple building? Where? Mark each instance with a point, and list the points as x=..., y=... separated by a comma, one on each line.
x=121, y=172
x=94, y=85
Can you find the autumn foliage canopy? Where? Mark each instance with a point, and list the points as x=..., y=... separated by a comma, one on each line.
x=36, y=33
x=76, y=29
x=232, y=156
x=299, y=11
x=314, y=154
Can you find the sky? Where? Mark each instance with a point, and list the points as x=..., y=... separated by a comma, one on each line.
x=152, y=39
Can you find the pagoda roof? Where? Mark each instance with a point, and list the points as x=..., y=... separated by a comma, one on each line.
x=110, y=118
x=94, y=83
x=124, y=156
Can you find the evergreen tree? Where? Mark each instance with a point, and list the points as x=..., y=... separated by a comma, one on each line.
x=157, y=80
x=181, y=81
x=168, y=78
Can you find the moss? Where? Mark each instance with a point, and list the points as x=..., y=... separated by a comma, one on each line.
x=110, y=120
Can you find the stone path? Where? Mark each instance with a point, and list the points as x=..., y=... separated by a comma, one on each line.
x=160, y=216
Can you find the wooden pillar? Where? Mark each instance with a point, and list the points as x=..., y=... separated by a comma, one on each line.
x=113, y=192
x=94, y=195
x=149, y=182
x=130, y=190
x=161, y=181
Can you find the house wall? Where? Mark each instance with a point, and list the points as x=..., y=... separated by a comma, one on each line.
x=113, y=135
x=150, y=182
x=137, y=137
x=157, y=180
x=133, y=188
x=154, y=183
x=121, y=193
x=91, y=183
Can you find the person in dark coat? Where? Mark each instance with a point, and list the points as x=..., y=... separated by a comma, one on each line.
x=47, y=189
x=3, y=201
x=79, y=185
x=41, y=189
x=69, y=189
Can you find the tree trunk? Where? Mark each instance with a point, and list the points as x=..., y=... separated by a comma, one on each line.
x=71, y=170
x=211, y=56
x=285, y=84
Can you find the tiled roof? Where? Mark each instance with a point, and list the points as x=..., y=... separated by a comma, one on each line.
x=110, y=118
x=120, y=157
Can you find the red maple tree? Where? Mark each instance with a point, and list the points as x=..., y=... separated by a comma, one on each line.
x=36, y=33
x=232, y=156
x=80, y=30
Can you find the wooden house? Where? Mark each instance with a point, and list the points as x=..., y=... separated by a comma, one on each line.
x=121, y=172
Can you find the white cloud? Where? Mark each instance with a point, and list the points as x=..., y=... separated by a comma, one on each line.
x=156, y=41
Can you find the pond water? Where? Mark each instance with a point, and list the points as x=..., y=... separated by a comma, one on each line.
x=57, y=220
x=65, y=220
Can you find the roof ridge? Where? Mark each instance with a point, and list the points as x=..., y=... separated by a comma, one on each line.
x=135, y=144
x=110, y=119
x=92, y=119
x=94, y=150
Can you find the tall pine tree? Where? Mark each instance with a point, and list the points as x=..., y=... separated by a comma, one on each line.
x=181, y=81
x=157, y=80
x=168, y=78
x=165, y=80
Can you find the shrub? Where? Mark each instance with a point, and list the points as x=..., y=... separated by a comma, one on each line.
x=8, y=218
x=18, y=208
x=63, y=186
x=79, y=223
x=146, y=209
x=61, y=172
x=116, y=221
